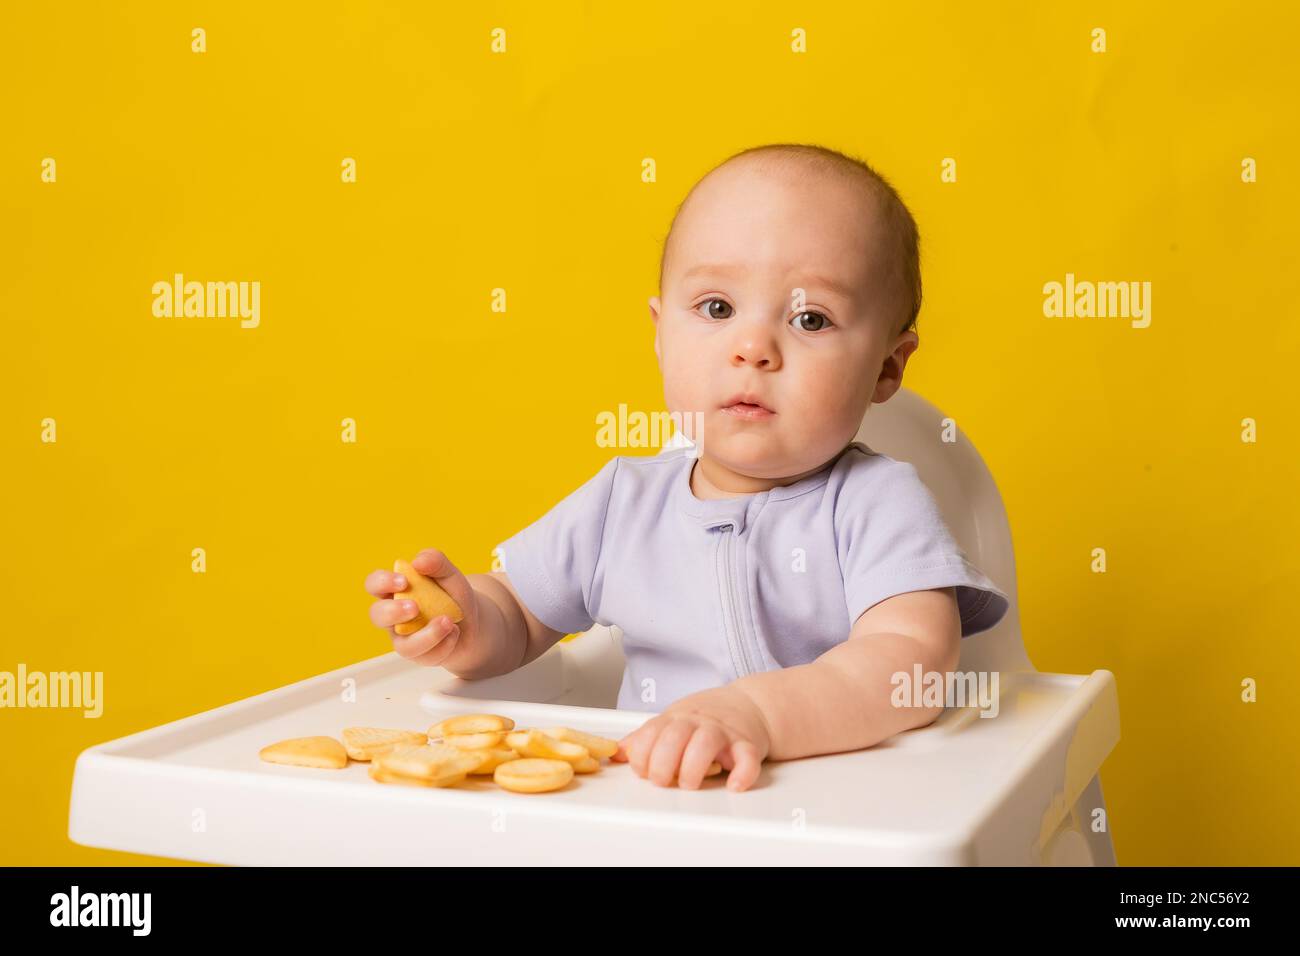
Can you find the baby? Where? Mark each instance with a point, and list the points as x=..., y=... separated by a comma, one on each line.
x=773, y=576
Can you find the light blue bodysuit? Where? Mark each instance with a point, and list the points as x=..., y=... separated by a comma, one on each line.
x=706, y=592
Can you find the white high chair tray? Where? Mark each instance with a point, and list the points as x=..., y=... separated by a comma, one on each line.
x=196, y=789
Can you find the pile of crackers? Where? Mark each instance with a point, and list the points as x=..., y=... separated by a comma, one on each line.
x=527, y=760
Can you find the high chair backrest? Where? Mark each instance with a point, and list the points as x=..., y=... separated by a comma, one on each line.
x=909, y=428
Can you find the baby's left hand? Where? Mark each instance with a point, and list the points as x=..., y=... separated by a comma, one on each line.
x=722, y=724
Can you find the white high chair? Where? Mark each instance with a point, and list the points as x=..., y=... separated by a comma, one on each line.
x=1019, y=788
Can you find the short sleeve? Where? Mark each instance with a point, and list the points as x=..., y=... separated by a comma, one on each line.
x=552, y=562
x=892, y=539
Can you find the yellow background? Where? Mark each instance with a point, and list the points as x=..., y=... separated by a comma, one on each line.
x=522, y=171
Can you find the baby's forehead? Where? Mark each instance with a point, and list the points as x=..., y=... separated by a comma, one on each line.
x=781, y=223
x=849, y=252
x=834, y=209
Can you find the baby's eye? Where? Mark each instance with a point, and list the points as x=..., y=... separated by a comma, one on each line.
x=816, y=315
x=721, y=302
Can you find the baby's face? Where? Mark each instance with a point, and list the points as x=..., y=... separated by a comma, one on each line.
x=728, y=322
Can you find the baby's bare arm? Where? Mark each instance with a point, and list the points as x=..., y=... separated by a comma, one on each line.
x=508, y=637
x=842, y=700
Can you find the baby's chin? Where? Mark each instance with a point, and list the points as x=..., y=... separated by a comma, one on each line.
x=770, y=455
x=754, y=457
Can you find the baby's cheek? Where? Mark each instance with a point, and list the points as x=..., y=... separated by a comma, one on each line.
x=683, y=365
x=834, y=390
x=682, y=392
x=836, y=401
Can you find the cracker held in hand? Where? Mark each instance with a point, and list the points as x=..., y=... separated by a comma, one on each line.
x=323, y=752
x=433, y=601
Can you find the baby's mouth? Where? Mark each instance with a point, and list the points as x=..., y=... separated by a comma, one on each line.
x=748, y=411
x=747, y=401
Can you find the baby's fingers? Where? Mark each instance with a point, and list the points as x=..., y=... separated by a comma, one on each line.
x=382, y=583
x=666, y=756
x=624, y=752
x=634, y=748
x=387, y=613
x=437, y=635
x=746, y=765
x=440, y=653
x=435, y=564
x=708, y=741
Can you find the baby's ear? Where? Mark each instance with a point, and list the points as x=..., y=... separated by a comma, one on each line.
x=891, y=371
x=654, y=317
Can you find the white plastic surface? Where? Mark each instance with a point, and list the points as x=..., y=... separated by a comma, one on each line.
x=964, y=790
x=1018, y=788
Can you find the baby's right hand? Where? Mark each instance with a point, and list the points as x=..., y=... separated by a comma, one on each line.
x=437, y=640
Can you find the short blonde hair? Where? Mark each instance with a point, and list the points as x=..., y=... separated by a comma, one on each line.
x=899, y=224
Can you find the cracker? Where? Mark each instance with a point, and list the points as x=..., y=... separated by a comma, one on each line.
x=430, y=761
x=428, y=595
x=534, y=743
x=495, y=758
x=366, y=743
x=323, y=752
x=533, y=775
x=471, y=724
x=597, y=746
x=484, y=741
